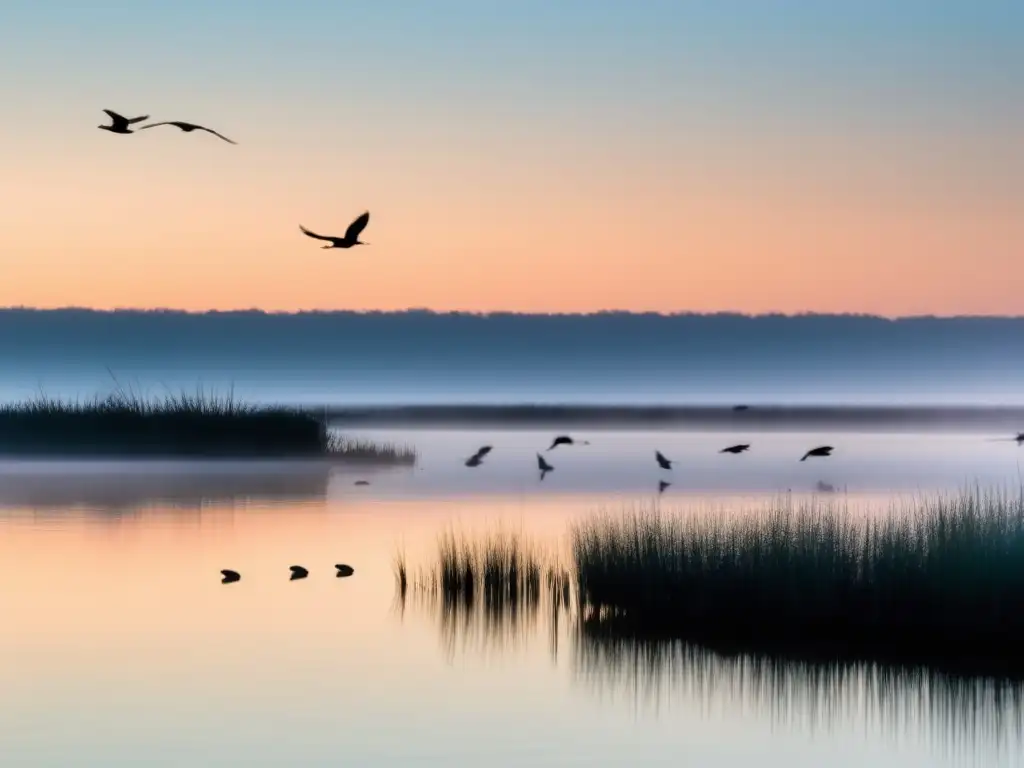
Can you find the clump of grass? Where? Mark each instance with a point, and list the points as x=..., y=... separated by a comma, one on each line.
x=200, y=424
x=490, y=585
x=940, y=582
x=356, y=449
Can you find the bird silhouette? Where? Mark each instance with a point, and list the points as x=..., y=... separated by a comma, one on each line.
x=740, y=448
x=662, y=485
x=230, y=577
x=821, y=450
x=298, y=572
x=565, y=440
x=543, y=466
x=351, y=234
x=361, y=482
x=344, y=570
x=823, y=487
x=741, y=407
x=189, y=127
x=120, y=123
x=662, y=461
x=477, y=458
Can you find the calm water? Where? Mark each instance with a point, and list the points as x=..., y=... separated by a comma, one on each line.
x=119, y=646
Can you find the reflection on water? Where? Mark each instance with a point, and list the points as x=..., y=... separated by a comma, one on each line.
x=117, y=488
x=957, y=716
x=124, y=647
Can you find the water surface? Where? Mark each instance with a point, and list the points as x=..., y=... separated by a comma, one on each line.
x=119, y=644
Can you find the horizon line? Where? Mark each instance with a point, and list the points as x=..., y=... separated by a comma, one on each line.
x=502, y=313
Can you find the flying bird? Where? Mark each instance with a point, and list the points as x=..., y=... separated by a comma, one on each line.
x=477, y=458
x=344, y=570
x=189, y=127
x=543, y=466
x=298, y=572
x=120, y=123
x=565, y=440
x=741, y=407
x=351, y=234
x=662, y=461
x=361, y=482
x=230, y=577
x=821, y=450
x=736, y=448
x=662, y=485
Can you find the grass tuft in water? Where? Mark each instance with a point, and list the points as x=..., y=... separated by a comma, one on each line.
x=200, y=424
x=941, y=581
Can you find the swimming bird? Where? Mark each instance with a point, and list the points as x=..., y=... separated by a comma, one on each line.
x=230, y=577
x=662, y=485
x=740, y=448
x=189, y=127
x=351, y=234
x=344, y=570
x=361, y=482
x=662, y=461
x=477, y=458
x=543, y=466
x=821, y=450
x=565, y=440
x=119, y=123
x=298, y=572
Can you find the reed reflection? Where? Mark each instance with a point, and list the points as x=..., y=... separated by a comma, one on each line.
x=112, y=490
x=488, y=595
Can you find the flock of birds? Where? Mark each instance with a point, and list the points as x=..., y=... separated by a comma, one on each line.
x=298, y=572
x=663, y=462
x=123, y=125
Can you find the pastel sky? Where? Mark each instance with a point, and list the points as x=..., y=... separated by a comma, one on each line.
x=536, y=155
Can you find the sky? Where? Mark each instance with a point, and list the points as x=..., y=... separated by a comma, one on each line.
x=541, y=155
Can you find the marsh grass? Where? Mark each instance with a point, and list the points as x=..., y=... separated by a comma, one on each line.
x=200, y=424
x=938, y=582
x=487, y=588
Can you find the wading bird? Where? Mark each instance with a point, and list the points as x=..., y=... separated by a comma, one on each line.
x=229, y=576
x=736, y=448
x=119, y=123
x=344, y=570
x=298, y=572
x=662, y=461
x=543, y=466
x=821, y=450
x=189, y=127
x=351, y=234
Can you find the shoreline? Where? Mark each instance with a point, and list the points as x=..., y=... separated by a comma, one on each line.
x=1007, y=420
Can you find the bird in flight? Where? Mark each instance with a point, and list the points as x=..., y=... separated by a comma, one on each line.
x=477, y=458
x=120, y=123
x=1019, y=439
x=662, y=461
x=189, y=127
x=543, y=466
x=821, y=450
x=736, y=448
x=565, y=440
x=298, y=572
x=662, y=485
x=351, y=234
x=230, y=577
